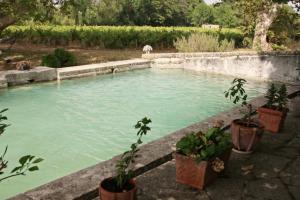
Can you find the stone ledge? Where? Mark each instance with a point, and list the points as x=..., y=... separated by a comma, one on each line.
x=101, y=68
x=84, y=184
x=3, y=82
x=217, y=54
x=37, y=74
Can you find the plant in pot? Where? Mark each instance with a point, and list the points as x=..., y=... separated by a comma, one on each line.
x=201, y=157
x=122, y=186
x=245, y=132
x=273, y=114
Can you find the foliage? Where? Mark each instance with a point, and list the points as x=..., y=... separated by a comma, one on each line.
x=204, y=146
x=277, y=96
x=277, y=47
x=237, y=94
x=285, y=27
x=124, y=174
x=282, y=97
x=200, y=42
x=271, y=95
x=202, y=14
x=14, y=11
x=59, y=58
x=226, y=15
x=27, y=163
x=114, y=36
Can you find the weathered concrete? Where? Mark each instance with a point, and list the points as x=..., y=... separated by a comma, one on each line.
x=3, y=82
x=84, y=184
x=275, y=174
x=37, y=74
x=251, y=65
x=102, y=68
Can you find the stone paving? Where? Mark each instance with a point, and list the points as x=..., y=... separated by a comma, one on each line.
x=272, y=172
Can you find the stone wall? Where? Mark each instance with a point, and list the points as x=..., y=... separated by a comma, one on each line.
x=16, y=77
x=264, y=67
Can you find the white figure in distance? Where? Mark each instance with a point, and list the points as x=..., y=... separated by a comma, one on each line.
x=147, y=49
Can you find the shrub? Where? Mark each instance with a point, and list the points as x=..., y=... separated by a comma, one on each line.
x=114, y=36
x=200, y=42
x=277, y=96
x=51, y=60
x=204, y=146
x=60, y=58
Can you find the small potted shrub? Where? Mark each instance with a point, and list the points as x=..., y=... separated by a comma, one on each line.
x=122, y=186
x=273, y=114
x=245, y=132
x=200, y=157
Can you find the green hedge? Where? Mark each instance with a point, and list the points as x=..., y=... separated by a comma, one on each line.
x=113, y=36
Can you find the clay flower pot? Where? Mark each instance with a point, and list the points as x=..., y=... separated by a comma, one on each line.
x=197, y=175
x=106, y=192
x=272, y=119
x=244, y=137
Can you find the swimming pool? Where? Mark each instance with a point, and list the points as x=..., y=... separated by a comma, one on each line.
x=78, y=123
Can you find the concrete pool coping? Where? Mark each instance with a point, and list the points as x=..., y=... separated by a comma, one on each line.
x=84, y=183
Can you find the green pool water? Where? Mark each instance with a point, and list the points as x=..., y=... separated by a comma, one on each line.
x=78, y=123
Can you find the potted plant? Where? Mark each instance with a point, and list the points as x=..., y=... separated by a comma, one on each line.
x=122, y=186
x=245, y=132
x=273, y=114
x=200, y=157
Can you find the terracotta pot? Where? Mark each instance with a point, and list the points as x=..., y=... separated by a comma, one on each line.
x=194, y=174
x=244, y=137
x=294, y=106
x=272, y=119
x=126, y=195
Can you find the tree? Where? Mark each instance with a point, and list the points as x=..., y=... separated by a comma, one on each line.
x=14, y=11
x=225, y=15
x=260, y=14
x=202, y=14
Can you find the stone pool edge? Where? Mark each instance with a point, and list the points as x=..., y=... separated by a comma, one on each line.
x=84, y=183
x=46, y=74
x=264, y=66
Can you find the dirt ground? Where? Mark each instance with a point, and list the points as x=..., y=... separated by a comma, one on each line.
x=34, y=54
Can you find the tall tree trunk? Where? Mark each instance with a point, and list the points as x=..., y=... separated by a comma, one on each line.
x=265, y=20
x=6, y=22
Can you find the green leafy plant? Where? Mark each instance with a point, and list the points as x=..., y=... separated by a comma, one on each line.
x=282, y=99
x=114, y=36
x=277, y=97
x=204, y=146
x=27, y=163
x=124, y=174
x=271, y=95
x=237, y=94
x=59, y=58
x=201, y=42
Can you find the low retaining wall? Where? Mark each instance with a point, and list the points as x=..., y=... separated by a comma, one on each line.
x=102, y=68
x=83, y=184
x=40, y=74
x=268, y=66
x=3, y=82
x=15, y=77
